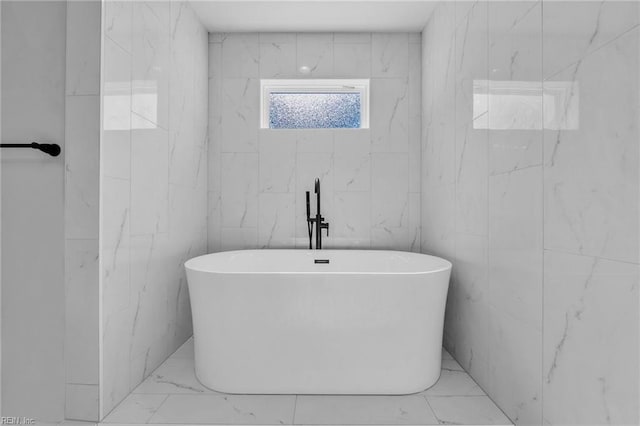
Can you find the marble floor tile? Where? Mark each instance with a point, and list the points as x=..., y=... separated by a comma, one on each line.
x=184, y=351
x=361, y=410
x=226, y=409
x=461, y=410
x=454, y=383
x=136, y=408
x=175, y=375
x=451, y=365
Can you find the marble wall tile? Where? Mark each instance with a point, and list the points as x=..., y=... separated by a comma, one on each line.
x=277, y=160
x=390, y=118
x=116, y=111
x=151, y=61
x=240, y=115
x=278, y=59
x=83, y=48
x=288, y=161
x=547, y=157
x=149, y=181
x=594, y=24
x=351, y=221
x=389, y=55
x=238, y=238
x=82, y=402
x=82, y=159
x=515, y=367
x=589, y=299
x=241, y=56
x=352, y=60
x=591, y=173
x=155, y=210
x=276, y=223
x=515, y=244
x=467, y=315
x=389, y=190
x=81, y=299
x=315, y=50
x=349, y=38
x=118, y=17
x=240, y=190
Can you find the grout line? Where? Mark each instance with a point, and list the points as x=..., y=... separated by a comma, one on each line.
x=157, y=409
x=295, y=407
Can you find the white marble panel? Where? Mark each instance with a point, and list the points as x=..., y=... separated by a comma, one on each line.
x=467, y=315
x=350, y=38
x=593, y=24
x=515, y=244
x=241, y=55
x=352, y=60
x=391, y=238
x=390, y=117
x=81, y=163
x=81, y=299
x=351, y=220
x=115, y=244
x=226, y=409
x=240, y=115
x=515, y=367
x=277, y=38
x=438, y=221
x=240, y=190
x=315, y=50
x=389, y=55
x=115, y=147
x=276, y=222
x=151, y=56
x=352, y=172
x=215, y=81
x=314, y=140
x=116, y=333
x=136, y=408
x=214, y=221
x=278, y=59
x=149, y=181
x=471, y=180
x=83, y=48
x=591, y=173
x=118, y=17
x=82, y=402
x=389, y=190
x=238, y=238
x=335, y=409
x=467, y=410
x=591, y=340
x=277, y=160
x=351, y=141
x=151, y=276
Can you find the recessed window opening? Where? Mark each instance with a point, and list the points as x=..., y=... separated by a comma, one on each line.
x=314, y=104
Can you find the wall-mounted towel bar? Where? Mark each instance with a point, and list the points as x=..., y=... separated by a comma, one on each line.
x=53, y=149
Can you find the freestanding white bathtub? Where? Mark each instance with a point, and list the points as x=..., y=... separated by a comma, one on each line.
x=276, y=322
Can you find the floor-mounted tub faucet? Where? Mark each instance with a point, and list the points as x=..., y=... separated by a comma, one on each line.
x=319, y=222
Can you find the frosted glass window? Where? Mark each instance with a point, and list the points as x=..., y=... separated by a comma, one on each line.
x=314, y=110
x=314, y=104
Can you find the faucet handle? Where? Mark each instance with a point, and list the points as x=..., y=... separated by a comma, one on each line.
x=326, y=226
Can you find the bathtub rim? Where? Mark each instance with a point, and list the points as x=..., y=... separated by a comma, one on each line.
x=446, y=267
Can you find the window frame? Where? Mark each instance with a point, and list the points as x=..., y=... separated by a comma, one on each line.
x=324, y=85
